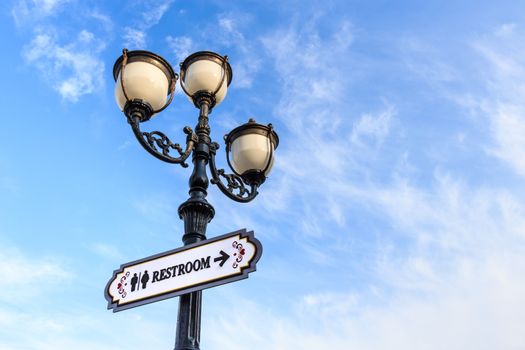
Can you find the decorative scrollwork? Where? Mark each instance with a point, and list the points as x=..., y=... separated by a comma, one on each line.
x=235, y=188
x=158, y=139
x=239, y=255
x=234, y=182
x=159, y=145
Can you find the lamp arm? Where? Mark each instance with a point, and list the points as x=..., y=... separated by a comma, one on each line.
x=234, y=188
x=159, y=145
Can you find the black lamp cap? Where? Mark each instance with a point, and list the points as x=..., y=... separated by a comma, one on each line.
x=252, y=127
x=208, y=55
x=145, y=56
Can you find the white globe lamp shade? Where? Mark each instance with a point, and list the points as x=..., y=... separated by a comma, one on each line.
x=206, y=72
x=147, y=77
x=250, y=151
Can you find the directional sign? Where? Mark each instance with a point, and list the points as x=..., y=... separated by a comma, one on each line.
x=198, y=266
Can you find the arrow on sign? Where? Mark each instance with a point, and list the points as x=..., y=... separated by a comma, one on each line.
x=222, y=258
x=183, y=270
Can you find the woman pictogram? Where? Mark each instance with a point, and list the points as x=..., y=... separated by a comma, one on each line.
x=144, y=279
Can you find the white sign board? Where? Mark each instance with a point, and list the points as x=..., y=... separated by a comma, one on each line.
x=190, y=268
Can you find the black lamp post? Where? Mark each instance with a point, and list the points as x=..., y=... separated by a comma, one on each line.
x=144, y=81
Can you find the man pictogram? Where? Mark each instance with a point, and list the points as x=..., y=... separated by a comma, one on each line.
x=134, y=281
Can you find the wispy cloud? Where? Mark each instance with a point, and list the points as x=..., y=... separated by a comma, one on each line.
x=426, y=62
x=69, y=60
x=328, y=142
x=24, y=11
x=447, y=252
x=181, y=46
x=135, y=36
x=487, y=81
x=154, y=11
x=449, y=319
x=73, y=69
x=78, y=328
x=246, y=64
x=452, y=258
x=20, y=273
x=156, y=207
x=505, y=82
x=508, y=129
x=372, y=129
x=106, y=250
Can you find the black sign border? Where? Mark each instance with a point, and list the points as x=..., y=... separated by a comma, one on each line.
x=243, y=274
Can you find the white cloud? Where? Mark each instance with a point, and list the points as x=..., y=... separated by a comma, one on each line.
x=372, y=127
x=327, y=305
x=134, y=38
x=230, y=32
x=181, y=46
x=71, y=65
x=314, y=110
x=491, y=86
x=80, y=328
x=448, y=257
x=39, y=298
x=73, y=69
x=154, y=13
x=20, y=273
x=508, y=130
x=106, y=250
x=48, y=6
x=103, y=19
x=156, y=207
x=451, y=267
x=24, y=11
x=444, y=232
x=227, y=24
x=425, y=61
x=504, y=106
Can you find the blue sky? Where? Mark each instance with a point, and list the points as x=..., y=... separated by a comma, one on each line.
x=394, y=216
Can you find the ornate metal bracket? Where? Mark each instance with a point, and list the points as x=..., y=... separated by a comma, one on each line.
x=235, y=188
x=159, y=145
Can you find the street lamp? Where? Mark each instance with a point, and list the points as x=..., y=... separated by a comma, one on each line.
x=145, y=86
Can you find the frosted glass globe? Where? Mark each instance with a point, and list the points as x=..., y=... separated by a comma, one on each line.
x=251, y=152
x=206, y=71
x=144, y=81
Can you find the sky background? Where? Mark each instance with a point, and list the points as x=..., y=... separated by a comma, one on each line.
x=394, y=217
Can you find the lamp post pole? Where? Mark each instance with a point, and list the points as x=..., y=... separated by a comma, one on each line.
x=196, y=213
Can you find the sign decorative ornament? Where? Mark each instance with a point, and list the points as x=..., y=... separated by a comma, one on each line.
x=210, y=263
